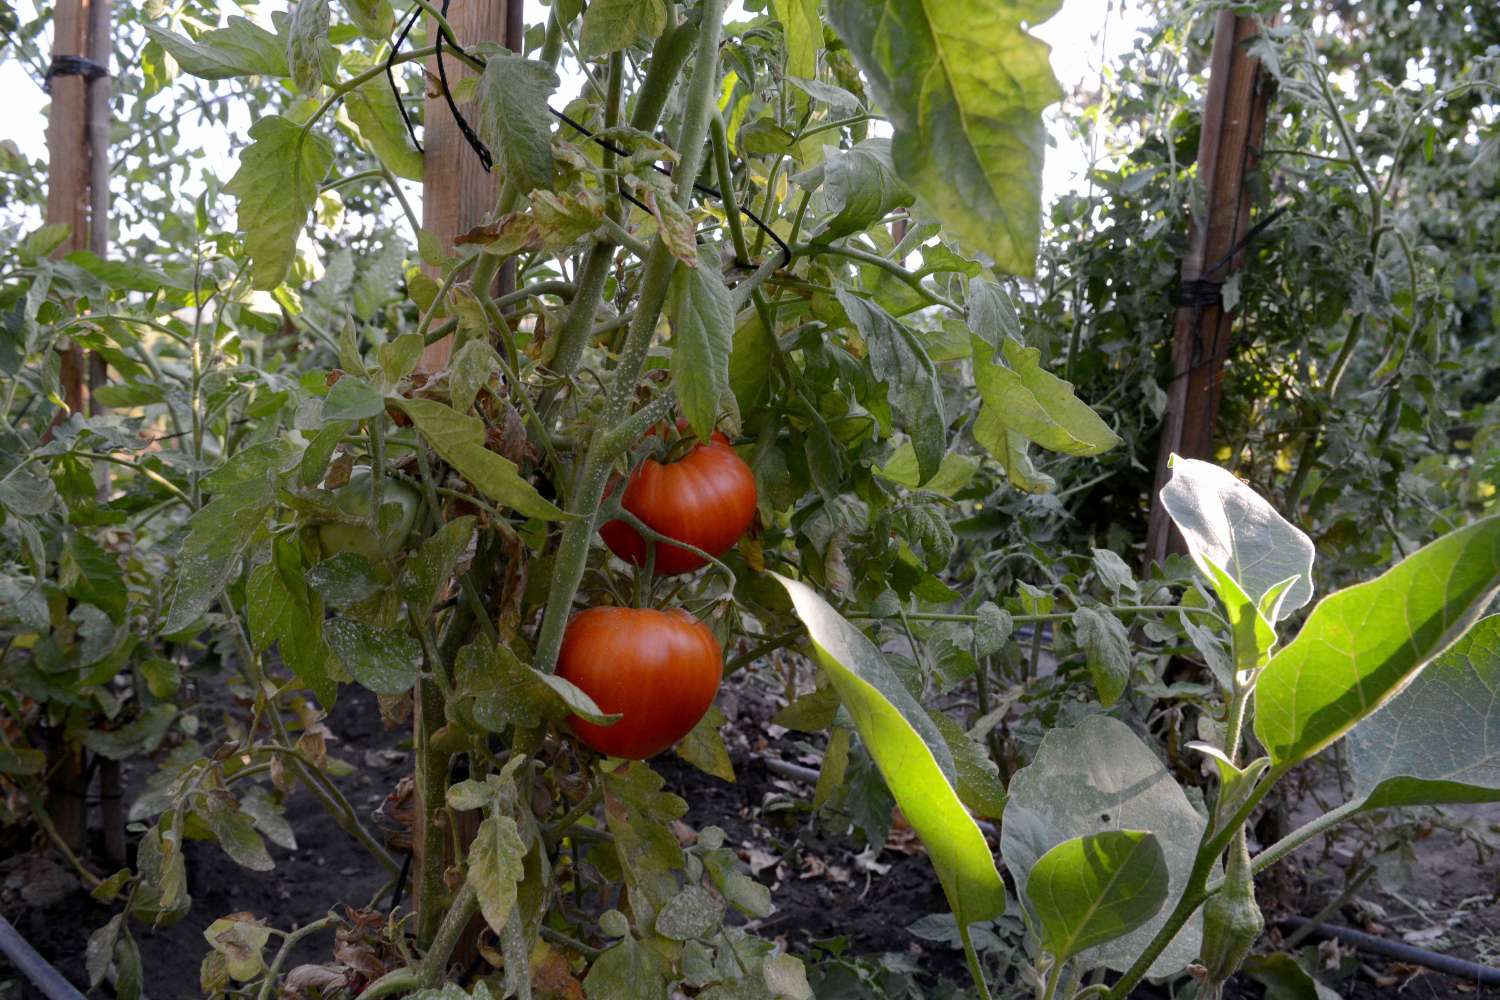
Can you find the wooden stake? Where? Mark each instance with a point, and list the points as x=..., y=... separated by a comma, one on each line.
x=1234, y=127
x=68, y=163
x=457, y=193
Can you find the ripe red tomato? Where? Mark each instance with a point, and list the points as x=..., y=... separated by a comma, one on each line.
x=659, y=669
x=706, y=499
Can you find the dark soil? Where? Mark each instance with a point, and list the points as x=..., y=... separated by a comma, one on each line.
x=825, y=884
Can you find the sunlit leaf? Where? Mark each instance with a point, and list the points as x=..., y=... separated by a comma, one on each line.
x=1093, y=889
x=276, y=186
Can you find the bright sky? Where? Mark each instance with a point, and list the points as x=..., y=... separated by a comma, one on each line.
x=1086, y=36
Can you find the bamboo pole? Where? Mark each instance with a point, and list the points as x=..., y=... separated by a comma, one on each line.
x=1234, y=126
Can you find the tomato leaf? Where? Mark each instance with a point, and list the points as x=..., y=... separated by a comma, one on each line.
x=704, y=747
x=610, y=25
x=803, y=30
x=513, y=117
x=1031, y=401
x=384, y=660
x=426, y=573
x=240, y=48
x=307, y=43
x=275, y=186
x=1362, y=645
x=901, y=362
x=460, y=440
x=218, y=535
x=702, y=315
x=911, y=755
x=496, y=864
x=964, y=88
x=860, y=187
x=373, y=109
x=1106, y=649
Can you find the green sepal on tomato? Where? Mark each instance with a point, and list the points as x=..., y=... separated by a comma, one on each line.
x=353, y=499
x=658, y=670
x=705, y=499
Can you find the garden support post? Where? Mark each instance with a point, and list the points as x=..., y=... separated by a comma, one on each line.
x=1234, y=127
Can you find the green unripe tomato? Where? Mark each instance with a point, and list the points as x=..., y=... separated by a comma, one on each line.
x=353, y=498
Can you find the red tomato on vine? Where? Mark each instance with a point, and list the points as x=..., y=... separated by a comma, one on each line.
x=705, y=499
x=659, y=670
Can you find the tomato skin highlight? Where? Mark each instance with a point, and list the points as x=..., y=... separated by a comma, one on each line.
x=659, y=670
x=706, y=499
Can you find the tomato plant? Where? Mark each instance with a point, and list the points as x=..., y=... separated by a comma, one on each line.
x=658, y=670
x=908, y=456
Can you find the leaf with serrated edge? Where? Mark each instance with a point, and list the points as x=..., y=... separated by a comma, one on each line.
x=275, y=187
x=702, y=315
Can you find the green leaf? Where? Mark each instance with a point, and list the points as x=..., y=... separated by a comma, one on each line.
x=1093, y=778
x=306, y=42
x=911, y=755
x=373, y=17
x=218, y=535
x=352, y=398
x=609, y=25
x=425, y=574
x=505, y=692
x=629, y=970
x=750, y=363
x=702, y=315
x=1227, y=524
x=1432, y=744
x=384, y=660
x=240, y=48
x=1093, y=889
x=496, y=864
x=1363, y=644
x=344, y=578
x=276, y=186
x=692, y=913
x=803, y=29
x=470, y=370
x=1032, y=402
x=1284, y=979
x=704, y=747
x=1106, y=648
x=901, y=362
x=460, y=440
x=860, y=187
x=964, y=88
x=978, y=785
x=513, y=117
x=992, y=314
x=373, y=109
x=1010, y=450
x=140, y=736
x=952, y=475
x=234, y=831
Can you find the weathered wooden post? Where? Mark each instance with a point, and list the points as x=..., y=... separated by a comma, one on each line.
x=1234, y=127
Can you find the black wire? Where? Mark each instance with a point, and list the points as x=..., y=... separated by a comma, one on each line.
x=487, y=160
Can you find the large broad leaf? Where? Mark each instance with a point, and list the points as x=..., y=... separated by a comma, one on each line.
x=1094, y=778
x=276, y=185
x=1011, y=451
x=1439, y=740
x=901, y=362
x=384, y=660
x=373, y=109
x=1363, y=644
x=964, y=88
x=1034, y=403
x=911, y=755
x=1228, y=525
x=460, y=440
x=513, y=119
x=240, y=48
x=702, y=315
x=1090, y=890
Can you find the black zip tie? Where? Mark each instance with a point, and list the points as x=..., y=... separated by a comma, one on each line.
x=400, y=887
x=72, y=66
x=487, y=160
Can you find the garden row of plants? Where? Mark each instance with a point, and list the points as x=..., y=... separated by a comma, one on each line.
x=787, y=361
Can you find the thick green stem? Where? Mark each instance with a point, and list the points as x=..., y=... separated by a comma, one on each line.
x=268, y=987
x=435, y=961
